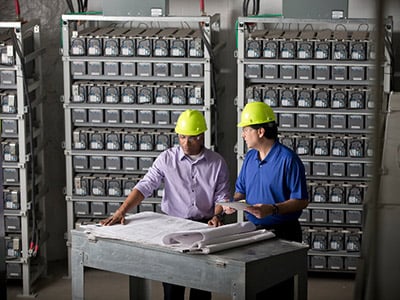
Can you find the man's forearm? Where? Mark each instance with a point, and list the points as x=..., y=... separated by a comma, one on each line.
x=134, y=198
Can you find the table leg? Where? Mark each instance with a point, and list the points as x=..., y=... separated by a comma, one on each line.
x=77, y=275
x=301, y=286
x=139, y=288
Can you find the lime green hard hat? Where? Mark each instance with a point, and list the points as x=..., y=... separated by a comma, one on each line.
x=256, y=113
x=191, y=122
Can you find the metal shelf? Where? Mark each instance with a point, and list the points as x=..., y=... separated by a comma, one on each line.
x=254, y=83
x=28, y=268
x=210, y=26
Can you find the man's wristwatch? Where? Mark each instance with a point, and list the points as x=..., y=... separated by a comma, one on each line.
x=275, y=210
x=219, y=216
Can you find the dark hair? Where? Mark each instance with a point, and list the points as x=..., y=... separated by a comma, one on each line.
x=271, y=129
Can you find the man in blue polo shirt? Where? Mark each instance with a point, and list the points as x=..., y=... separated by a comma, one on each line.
x=272, y=180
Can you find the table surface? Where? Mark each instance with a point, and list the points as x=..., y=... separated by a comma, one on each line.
x=241, y=271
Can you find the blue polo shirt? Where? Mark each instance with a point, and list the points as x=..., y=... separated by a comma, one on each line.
x=278, y=177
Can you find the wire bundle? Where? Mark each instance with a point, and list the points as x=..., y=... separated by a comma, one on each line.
x=82, y=5
x=256, y=7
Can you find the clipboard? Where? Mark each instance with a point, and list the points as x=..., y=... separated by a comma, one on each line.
x=238, y=205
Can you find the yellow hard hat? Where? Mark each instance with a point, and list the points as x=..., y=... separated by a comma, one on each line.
x=256, y=113
x=191, y=122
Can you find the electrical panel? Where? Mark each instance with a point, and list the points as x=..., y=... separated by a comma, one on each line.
x=318, y=79
x=22, y=158
x=125, y=86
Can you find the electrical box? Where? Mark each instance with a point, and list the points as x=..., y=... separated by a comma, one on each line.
x=136, y=8
x=315, y=9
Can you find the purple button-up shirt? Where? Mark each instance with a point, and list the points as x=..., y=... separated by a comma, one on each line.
x=191, y=187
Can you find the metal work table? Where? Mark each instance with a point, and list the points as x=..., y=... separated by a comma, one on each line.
x=241, y=272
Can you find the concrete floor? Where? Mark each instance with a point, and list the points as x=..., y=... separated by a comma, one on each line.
x=104, y=285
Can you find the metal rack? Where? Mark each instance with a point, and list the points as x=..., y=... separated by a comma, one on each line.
x=318, y=76
x=21, y=115
x=126, y=80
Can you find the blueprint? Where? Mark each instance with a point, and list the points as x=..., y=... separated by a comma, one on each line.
x=179, y=234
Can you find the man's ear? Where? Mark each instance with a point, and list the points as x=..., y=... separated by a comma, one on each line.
x=261, y=132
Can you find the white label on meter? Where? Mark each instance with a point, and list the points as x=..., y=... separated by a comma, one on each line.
x=10, y=50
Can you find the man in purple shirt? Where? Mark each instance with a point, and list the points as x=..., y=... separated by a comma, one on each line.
x=194, y=179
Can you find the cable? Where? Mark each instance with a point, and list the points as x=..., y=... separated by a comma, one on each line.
x=245, y=7
x=80, y=5
x=255, y=10
x=70, y=6
x=212, y=76
x=260, y=16
x=17, y=9
x=202, y=8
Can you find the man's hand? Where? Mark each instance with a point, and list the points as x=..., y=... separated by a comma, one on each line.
x=216, y=221
x=259, y=210
x=228, y=210
x=117, y=217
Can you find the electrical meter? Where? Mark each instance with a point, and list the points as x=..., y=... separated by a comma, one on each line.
x=178, y=95
x=146, y=142
x=111, y=94
x=98, y=186
x=356, y=100
x=321, y=147
x=338, y=147
x=303, y=146
x=304, y=98
x=160, y=48
x=270, y=96
x=10, y=151
x=322, y=50
x=145, y=94
x=8, y=102
x=178, y=48
x=113, y=141
x=11, y=198
x=195, y=45
x=162, y=95
x=253, y=48
x=95, y=94
x=321, y=97
x=79, y=139
x=339, y=99
x=128, y=94
x=81, y=185
x=304, y=50
x=337, y=194
x=288, y=49
x=320, y=194
x=287, y=98
x=162, y=141
x=356, y=148
x=195, y=95
x=130, y=141
x=114, y=188
x=96, y=140
x=270, y=49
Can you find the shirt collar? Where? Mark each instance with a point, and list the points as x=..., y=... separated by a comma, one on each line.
x=183, y=156
x=270, y=154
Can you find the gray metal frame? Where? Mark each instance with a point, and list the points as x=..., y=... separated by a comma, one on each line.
x=21, y=30
x=211, y=28
x=284, y=24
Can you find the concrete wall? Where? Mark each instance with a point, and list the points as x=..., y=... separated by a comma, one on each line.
x=49, y=11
